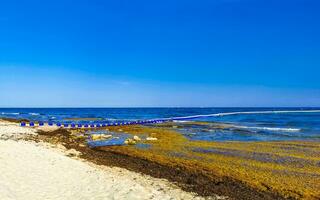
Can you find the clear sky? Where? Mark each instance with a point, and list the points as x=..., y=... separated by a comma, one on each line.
x=159, y=53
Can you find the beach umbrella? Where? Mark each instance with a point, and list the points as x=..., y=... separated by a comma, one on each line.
x=50, y=123
x=98, y=125
x=58, y=124
x=66, y=125
x=103, y=125
x=31, y=124
x=41, y=123
x=73, y=125
x=91, y=125
x=23, y=124
x=79, y=125
x=86, y=125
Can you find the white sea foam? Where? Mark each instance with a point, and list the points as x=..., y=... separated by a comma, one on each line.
x=34, y=114
x=5, y=113
x=245, y=113
x=180, y=121
x=269, y=128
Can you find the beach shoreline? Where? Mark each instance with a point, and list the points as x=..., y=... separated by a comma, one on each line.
x=186, y=179
x=198, y=177
x=34, y=169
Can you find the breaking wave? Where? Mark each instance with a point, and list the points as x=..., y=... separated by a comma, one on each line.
x=269, y=128
x=34, y=114
x=4, y=113
x=244, y=113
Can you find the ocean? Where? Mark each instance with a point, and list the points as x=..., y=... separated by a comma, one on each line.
x=225, y=124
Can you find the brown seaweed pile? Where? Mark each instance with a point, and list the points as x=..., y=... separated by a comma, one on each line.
x=241, y=170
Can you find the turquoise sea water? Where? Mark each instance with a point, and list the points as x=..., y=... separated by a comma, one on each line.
x=226, y=124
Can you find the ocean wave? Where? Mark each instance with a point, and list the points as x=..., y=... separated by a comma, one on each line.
x=180, y=121
x=34, y=114
x=241, y=113
x=5, y=113
x=269, y=128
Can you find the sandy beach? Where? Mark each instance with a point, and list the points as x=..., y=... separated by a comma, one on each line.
x=37, y=170
x=48, y=162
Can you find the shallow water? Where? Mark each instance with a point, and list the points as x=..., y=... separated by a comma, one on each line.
x=243, y=124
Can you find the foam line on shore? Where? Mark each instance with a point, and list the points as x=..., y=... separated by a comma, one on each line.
x=269, y=128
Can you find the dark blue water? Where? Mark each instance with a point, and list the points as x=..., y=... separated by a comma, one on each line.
x=240, y=126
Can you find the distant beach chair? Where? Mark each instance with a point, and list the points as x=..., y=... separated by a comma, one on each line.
x=41, y=124
x=50, y=123
x=103, y=125
x=91, y=125
x=23, y=124
x=98, y=125
x=86, y=125
x=65, y=125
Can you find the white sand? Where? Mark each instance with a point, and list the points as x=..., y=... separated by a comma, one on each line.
x=34, y=171
x=9, y=130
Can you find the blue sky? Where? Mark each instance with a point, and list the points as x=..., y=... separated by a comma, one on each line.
x=159, y=53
